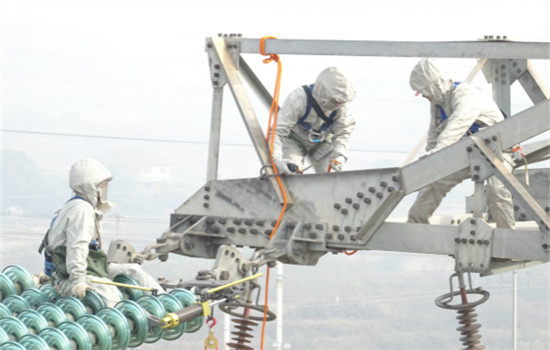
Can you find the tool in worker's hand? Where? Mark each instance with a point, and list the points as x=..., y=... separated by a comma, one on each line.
x=291, y=167
x=294, y=168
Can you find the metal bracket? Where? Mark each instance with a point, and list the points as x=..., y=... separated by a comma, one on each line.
x=230, y=264
x=300, y=243
x=480, y=169
x=122, y=252
x=473, y=246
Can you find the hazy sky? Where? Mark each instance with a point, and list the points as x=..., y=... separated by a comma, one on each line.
x=139, y=69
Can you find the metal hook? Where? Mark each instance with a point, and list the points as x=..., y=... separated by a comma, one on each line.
x=211, y=319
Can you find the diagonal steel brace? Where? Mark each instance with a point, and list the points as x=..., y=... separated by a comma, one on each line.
x=520, y=193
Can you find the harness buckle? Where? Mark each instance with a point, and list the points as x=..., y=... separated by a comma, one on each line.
x=316, y=136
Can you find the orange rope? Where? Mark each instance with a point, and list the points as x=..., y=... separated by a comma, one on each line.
x=275, y=102
x=350, y=253
x=270, y=137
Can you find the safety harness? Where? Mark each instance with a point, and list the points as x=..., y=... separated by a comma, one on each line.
x=311, y=103
x=516, y=149
x=475, y=126
x=55, y=260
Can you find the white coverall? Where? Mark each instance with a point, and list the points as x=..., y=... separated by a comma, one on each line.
x=464, y=105
x=332, y=91
x=77, y=224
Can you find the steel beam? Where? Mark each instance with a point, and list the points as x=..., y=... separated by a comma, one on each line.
x=519, y=244
x=533, y=84
x=255, y=83
x=503, y=49
x=333, y=212
x=521, y=195
x=203, y=235
x=215, y=131
x=451, y=159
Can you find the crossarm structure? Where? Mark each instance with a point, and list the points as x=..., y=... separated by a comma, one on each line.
x=335, y=212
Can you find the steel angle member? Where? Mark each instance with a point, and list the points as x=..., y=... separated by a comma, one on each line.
x=473, y=49
x=533, y=84
x=535, y=151
x=504, y=266
x=453, y=158
x=521, y=195
x=228, y=57
x=383, y=210
x=473, y=246
x=217, y=74
x=539, y=183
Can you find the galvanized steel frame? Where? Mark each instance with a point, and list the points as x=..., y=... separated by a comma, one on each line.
x=352, y=212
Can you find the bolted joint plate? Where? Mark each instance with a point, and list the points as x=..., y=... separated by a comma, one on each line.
x=480, y=166
x=473, y=246
x=122, y=252
x=303, y=243
x=218, y=77
x=230, y=264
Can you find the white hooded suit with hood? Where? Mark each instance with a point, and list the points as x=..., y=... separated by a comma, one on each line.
x=77, y=224
x=464, y=105
x=292, y=143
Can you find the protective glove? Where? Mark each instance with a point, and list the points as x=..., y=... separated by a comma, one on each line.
x=285, y=166
x=338, y=163
x=79, y=290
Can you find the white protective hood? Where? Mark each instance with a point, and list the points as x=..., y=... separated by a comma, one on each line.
x=85, y=177
x=332, y=89
x=430, y=81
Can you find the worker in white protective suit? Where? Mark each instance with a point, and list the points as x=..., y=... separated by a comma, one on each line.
x=73, y=243
x=457, y=110
x=315, y=122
